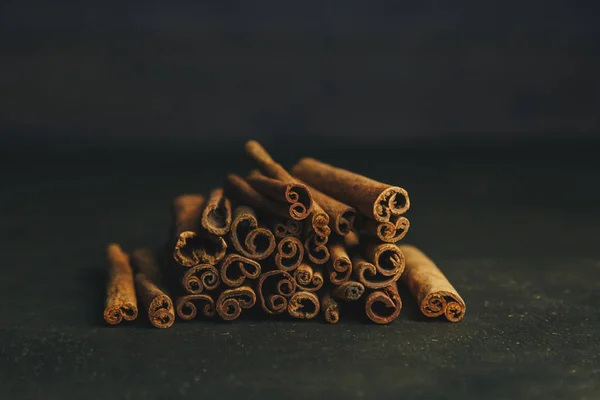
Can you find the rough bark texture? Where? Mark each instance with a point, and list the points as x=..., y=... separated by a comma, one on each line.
x=296, y=195
x=330, y=308
x=304, y=305
x=248, y=238
x=235, y=269
x=274, y=290
x=231, y=302
x=216, y=216
x=121, y=302
x=383, y=306
x=186, y=306
x=289, y=254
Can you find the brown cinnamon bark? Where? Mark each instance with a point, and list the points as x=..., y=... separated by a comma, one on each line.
x=151, y=290
x=391, y=231
x=304, y=305
x=383, y=265
x=186, y=306
x=351, y=241
x=341, y=216
x=231, y=302
x=296, y=195
x=330, y=308
x=121, y=302
x=316, y=250
x=289, y=254
x=193, y=245
x=340, y=266
x=287, y=228
x=384, y=305
x=250, y=240
x=236, y=268
x=274, y=289
x=373, y=199
x=434, y=293
x=348, y=291
x=246, y=194
x=308, y=279
x=216, y=216
x=199, y=278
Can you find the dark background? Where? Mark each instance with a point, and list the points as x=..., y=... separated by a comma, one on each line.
x=487, y=113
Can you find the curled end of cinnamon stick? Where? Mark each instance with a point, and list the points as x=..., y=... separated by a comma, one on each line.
x=316, y=249
x=115, y=313
x=443, y=303
x=236, y=268
x=330, y=308
x=307, y=279
x=192, y=249
x=344, y=223
x=248, y=238
x=161, y=312
x=340, y=268
x=199, y=278
x=390, y=232
x=187, y=309
x=274, y=289
x=392, y=201
x=231, y=302
x=121, y=301
x=304, y=305
x=349, y=291
x=290, y=253
x=383, y=306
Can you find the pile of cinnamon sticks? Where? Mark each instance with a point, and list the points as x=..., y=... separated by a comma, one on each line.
x=303, y=242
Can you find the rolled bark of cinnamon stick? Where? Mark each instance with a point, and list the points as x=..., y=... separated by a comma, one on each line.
x=374, y=199
x=248, y=238
x=231, y=302
x=304, y=305
x=383, y=306
x=348, y=291
x=187, y=309
x=236, y=268
x=193, y=245
x=216, y=216
x=295, y=194
x=316, y=248
x=274, y=290
x=391, y=231
x=330, y=308
x=434, y=293
x=285, y=228
x=383, y=265
x=199, y=278
x=340, y=265
x=289, y=254
x=151, y=290
x=308, y=279
x=240, y=189
x=121, y=302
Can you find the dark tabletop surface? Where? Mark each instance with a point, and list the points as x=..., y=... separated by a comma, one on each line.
x=514, y=226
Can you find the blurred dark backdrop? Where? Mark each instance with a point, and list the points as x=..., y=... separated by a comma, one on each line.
x=163, y=71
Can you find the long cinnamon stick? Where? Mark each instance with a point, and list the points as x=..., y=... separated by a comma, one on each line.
x=382, y=265
x=274, y=289
x=193, y=245
x=383, y=306
x=121, y=302
x=231, y=302
x=216, y=216
x=373, y=199
x=308, y=279
x=187, y=309
x=304, y=305
x=200, y=277
x=348, y=291
x=340, y=266
x=248, y=238
x=434, y=293
x=236, y=268
x=289, y=254
x=239, y=188
x=391, y=231
x=330, y=308
x=151, y=290
x=296, y=195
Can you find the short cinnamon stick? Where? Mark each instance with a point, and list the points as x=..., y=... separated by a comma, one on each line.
x=150, y=289
x=193, y=245
x=434, y=293
x=383, y=306
x=248, y=238
x=187, y=309
x=289, y=254
x=200, y=277
x=274, y=289
x=304, y=305
x=348, y=291
x=308, y=279
x=382, y=265
x=340, y=265
x=391, y=231
x=236, y=268
x=374, y=199
x=296, y=195
x=216, y=216
x=231, y=302
x=330, y=308
x=121, y=302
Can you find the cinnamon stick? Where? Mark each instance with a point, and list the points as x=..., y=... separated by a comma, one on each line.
x=246, y=194
x=187, y=309
x=296, y=195
x=287, y=228
x=382, y=265
x=434, y=293
x=268, y=166
x=308, y=279
x=383, y=306
x=330, y=308
x=236, y=268
x=121, y=302
x=391, y=231
x=289, y=254
x=274, y=289
x=150, y=289
x=216, y=216
x=348, y=291
x=200, y=277
x=374, y=199
x=340, y=266
x=231, y=302
x=193, y=245
x=248, y=238
x=316, y=250
x=304, y=305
